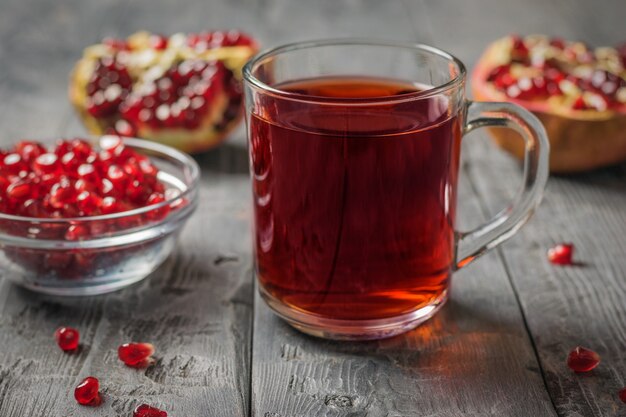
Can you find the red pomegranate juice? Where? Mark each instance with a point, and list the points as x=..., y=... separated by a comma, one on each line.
x=354, y=202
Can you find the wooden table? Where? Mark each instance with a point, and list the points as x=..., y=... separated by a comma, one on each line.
x=498, y=348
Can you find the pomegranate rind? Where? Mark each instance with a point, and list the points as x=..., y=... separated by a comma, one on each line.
x=580, y=140
x=202, y=138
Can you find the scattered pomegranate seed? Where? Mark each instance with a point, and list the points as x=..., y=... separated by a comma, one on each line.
x=622, y=394
x=561, y=254
x=144, y=410
x=582, y=360
x=136, y=355
x=67, y=338
x=87, y=392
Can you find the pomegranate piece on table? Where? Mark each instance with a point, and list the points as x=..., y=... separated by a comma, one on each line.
x=581, y=359
x=561, y=254
x=182, y=90
x=87, y=392
x=144, y=410
x=622, y=394
x=136, y=355
x=67, y=338
x=577, y=92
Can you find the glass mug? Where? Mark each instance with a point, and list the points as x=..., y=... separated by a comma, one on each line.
x=354, y=152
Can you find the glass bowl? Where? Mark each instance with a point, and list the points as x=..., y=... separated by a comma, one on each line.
x=114, y=250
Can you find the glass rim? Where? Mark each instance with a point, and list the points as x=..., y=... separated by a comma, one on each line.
x=256, y=83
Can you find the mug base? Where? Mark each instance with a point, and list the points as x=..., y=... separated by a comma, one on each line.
x=352, y=329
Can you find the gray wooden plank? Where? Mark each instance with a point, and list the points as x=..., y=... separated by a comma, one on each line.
x=196, y=308
x=473, y=358
x=569, y=306
x=563, y=307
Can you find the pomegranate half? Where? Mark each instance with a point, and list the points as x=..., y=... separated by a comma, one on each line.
x=578, y=93
x=184, y=90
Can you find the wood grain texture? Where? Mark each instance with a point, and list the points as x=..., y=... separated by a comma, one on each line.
x=563, y=307
x=196, y=308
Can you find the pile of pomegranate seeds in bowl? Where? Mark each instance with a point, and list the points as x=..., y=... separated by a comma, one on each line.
x=82, y=216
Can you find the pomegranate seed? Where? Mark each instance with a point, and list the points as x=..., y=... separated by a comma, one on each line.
x=519, y=50
x=110, y=205
x=147, y=168
x=87, y=392
x=557, y=43
x=504, y=81
x=117, y=176
x=157, y=213
x=67, y=338
x=33, y=208
x=622, y=394
x=138, y=192
x=498, y=72
x=561, y=254
x=137, y=355
x=88, y=203
x=579, y=104
x=29, y=150
x=125, y=128
x=81, y=148
x=13, y=164
x=62, y=194
x=133, y=170
x=582, y=360
x=46, y=163
x=110, y=142
x=76, y=232
x=144, y=410
x=81, y=185
x=70, y=162
x=87, y=172
x=19, y=191
x=158, y=42
x=114, y=43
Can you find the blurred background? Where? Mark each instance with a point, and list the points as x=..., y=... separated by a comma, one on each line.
x=42, y=39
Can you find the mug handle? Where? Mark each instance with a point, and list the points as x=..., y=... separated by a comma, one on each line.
x=503, y=225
